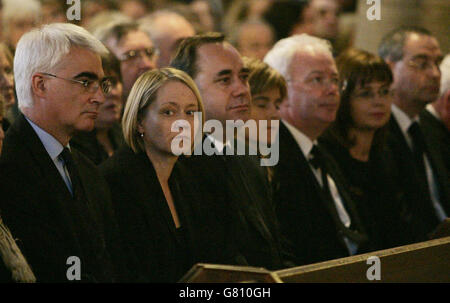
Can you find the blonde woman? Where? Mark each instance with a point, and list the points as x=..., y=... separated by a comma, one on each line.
x=166, y=218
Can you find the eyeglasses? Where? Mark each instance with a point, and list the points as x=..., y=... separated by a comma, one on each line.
x=150, y=53
x=90, y=86
x=423, y=64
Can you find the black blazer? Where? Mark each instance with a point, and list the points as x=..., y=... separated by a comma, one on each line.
x=415, y=208
x=87, y=143
x=306, y=215
x=41, y=213
x=438, y=136
x=147, y=225
x=238, y=184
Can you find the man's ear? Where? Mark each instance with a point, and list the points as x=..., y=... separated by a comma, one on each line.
x=38, y=85
x=390, y=63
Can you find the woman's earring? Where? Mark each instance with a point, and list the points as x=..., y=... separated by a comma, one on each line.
x=142, y=135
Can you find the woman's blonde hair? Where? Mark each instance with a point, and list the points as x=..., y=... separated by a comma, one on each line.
x=143, y=93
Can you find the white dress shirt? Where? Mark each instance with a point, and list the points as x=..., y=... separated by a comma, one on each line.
x=306, y=145
x=54, y=149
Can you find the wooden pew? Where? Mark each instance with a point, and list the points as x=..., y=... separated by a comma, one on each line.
x=421, y=262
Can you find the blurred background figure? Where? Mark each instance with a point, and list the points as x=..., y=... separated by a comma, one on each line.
x=133, y=48
x=238, y=11
x=7, y=86
x=166, y=28
x=135, y=9
x=356, y=140
x=91, y=8
x=53, y=11
x=284, y=16
x=209, y=13
x=18, y=17
x=101, y=143
x=253, y=38
x=321, y=18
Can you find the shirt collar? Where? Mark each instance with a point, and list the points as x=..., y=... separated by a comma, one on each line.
x=302, y=140
x=430, y=108
x=403, y=120
x=52, y=146
x=218, y=144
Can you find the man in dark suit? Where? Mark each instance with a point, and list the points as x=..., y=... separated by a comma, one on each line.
x=417, y=167
x=315, y=212
x=435, y=118
x=53, y=199
x=218, y=70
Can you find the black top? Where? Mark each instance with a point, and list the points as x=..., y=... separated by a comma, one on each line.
x=372, y=190
x=87, y=143
x=165, y=254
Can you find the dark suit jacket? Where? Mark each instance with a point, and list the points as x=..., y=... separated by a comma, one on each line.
x=306, y=215
x=147, y=225
x=41, y=213
x=415, y=208
x=237, y=183
x=87, y=143
x=438, y=136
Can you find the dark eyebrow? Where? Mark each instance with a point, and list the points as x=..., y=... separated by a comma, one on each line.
x=224, y=72
x=88, y=75
x=261, y=98
x=245, y=70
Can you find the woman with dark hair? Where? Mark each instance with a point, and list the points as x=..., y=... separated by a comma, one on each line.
x=356, y=140
x=101, y=143
x=7, y=85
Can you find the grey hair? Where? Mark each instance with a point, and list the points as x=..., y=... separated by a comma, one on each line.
x=391, y=46
x=43, y=49
x=445, y=75
x=282, y=53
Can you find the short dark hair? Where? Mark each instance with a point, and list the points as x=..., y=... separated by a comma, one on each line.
x=391, y=46
x=357, y=67
x=185, y=58
x=120, y=30
x=111, y=66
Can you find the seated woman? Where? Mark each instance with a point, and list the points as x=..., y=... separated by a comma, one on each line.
x=165, y=219
x=101, y=143
x=7, y=85
x=356, y=140
x=268, y=90
x=13, y=266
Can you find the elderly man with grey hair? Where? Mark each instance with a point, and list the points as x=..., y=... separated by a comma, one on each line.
x=315, y=212
x=52, y=197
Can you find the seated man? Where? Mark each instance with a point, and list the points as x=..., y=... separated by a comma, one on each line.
x=52, y=197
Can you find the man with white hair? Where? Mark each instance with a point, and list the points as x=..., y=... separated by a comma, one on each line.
x=435, y=119
x=18, y=17
x=315, y=212
x=166, y=29
x=52, y=197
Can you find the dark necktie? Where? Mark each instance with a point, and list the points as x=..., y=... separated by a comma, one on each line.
x=419, y=148
x=318, y=161
x=66, y=155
